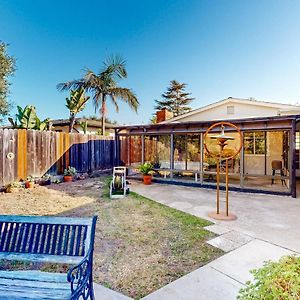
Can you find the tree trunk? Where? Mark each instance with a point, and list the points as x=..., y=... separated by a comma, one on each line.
x=103, y=124
x=103, y=112
x=72, y=122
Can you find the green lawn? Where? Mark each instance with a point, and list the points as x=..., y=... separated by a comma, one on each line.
x=140, y=245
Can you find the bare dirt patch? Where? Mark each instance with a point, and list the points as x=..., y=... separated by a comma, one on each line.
x=140, y=245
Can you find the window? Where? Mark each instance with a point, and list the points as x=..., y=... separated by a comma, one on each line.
x=297, y=140
x=230, y=110
x=255, y=143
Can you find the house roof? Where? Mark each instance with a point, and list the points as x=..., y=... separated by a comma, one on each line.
x=281, y=106
x=254, y=123
x=91, y=122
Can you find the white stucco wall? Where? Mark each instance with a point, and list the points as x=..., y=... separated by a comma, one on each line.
x=241, y=110
x=255, y=164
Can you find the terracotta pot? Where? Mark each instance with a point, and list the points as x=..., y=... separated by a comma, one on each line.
x=68, y=178
x=147, y=179
x=29, y=184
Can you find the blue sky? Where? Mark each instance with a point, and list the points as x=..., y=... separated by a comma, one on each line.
x=219, y=48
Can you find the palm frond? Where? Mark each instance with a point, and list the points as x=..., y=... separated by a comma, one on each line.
x=114, y=67
x=125, y=95
x=113, y=99
x=70, y=85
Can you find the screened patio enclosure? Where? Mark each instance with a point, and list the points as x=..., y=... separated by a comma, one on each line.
x=268, y=161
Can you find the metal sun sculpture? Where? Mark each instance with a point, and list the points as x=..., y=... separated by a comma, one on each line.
x=222, y=139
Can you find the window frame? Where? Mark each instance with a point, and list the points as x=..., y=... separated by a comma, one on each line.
x=254, y=139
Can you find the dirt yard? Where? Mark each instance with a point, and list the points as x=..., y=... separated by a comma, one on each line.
x=140, y=245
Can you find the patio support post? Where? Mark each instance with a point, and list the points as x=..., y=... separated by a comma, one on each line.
x=201, y=157
x=293, y=184
x=143, y=148
x=242, y=163
x=129, y=149
x=227, y=182
x=186, y=152
x=117, y=149
x=171, y=154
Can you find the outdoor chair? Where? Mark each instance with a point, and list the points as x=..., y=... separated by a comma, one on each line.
x=277, y=167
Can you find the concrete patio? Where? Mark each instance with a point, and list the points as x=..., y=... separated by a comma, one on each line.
x=266, y=229
x=274, y=219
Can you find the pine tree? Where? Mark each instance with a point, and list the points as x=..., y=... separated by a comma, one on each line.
x=175, y=99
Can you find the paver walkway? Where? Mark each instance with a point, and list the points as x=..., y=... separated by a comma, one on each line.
x=267, y=228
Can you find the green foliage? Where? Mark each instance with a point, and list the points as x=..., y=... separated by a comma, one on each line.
x=104, y=86
x=274, y=281
x=76, y=103
x=146, y=168
x=175, y=99
x=153, y=119
x=27, y=119
x=84, y=126
x=7, y=68
x=70, y=171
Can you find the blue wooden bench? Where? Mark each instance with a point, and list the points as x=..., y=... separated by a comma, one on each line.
x=50, y=240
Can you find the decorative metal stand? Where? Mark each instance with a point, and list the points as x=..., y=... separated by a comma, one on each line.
x=222, y=142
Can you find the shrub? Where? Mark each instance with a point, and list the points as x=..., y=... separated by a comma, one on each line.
x=274, y=281
x=146, y=168
x=70, y=171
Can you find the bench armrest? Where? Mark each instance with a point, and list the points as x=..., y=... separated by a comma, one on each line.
x=80, y=278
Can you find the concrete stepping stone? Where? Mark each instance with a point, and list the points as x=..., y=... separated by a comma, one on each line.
x=224, y=244
x=217, y=229
x=204, y=283
x=252, y=255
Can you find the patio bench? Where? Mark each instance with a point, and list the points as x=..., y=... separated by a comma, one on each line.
x=58, y=240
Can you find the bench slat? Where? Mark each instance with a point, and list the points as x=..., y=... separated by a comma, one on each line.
x=3, y=236
x=8, y=242
x=78, y=240
x=54, y=244
x=14, y=237
x=24, y=293
x=72, y=240
x=20, y=283
x=66, y=240
x=25, y=239
x=41, y=257
x=60, y=240
x=33, y=285
x=34, y=275
x=37, y=238
x=48, y=241
x=46, y=220
x=32, y=236
x=20, y=237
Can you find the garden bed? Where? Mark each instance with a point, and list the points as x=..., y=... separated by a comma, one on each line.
x=140, y=245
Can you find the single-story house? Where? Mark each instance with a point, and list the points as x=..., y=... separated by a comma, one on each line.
x=268, y=162
x=93, y=126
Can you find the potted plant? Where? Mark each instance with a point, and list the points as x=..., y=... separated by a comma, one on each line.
x=12, y=187
x=69, y=173
x=29, y=183
x=46, y=179
x=146, y=169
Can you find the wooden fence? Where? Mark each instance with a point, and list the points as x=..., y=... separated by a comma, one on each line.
x=30, y=152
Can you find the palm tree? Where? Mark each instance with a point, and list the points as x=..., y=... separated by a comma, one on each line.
x=104, y=85
x=75, y=104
